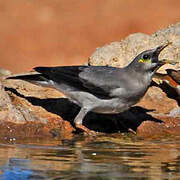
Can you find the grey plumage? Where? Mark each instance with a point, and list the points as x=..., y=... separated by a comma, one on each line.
x=101, y=89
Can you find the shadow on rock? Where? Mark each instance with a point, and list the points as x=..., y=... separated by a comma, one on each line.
x=108, y=123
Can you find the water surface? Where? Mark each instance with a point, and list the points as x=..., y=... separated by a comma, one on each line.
x=108, y=157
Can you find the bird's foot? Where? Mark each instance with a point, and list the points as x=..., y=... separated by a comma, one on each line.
x=85, y=129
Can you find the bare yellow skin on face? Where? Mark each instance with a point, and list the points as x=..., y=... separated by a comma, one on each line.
x=144, y=60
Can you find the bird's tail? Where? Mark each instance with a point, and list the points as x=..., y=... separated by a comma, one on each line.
x=37, y=79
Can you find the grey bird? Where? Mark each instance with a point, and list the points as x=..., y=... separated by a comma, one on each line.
x=101, y=89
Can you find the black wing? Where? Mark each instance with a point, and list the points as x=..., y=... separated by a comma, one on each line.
x=99, y=80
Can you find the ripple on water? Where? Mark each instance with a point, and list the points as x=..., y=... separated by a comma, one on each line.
x=103, y=157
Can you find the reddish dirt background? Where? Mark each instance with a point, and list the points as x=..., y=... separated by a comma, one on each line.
x=64, y=32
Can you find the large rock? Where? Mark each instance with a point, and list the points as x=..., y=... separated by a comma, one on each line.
x=119, y=54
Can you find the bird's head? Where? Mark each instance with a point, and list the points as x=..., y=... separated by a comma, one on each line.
x=148, y=61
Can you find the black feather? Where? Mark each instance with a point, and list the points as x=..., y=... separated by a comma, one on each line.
x=29, y=77
x=81, y=78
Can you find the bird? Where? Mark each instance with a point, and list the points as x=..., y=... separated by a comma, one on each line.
x=100, y=89
x=172, y=78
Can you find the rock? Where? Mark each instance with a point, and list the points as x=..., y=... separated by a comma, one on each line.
x=157, y=100
x=175, y=112
x=121, y=53
x=4, y=72
x=7, y=110
x=21, y=113
x=169, y=126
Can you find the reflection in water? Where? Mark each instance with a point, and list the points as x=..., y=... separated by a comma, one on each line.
x=102, y=158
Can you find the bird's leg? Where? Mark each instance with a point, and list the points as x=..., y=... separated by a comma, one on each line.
x=79, y=119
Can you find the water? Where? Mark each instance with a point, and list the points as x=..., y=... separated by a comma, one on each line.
x=108, y=157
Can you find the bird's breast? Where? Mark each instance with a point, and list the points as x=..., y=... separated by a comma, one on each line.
x=112, y=106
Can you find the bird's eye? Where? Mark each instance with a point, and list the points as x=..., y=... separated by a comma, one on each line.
x=146, y=56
